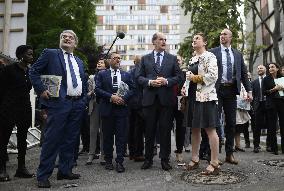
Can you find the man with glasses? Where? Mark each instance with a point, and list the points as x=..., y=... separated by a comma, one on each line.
x=65, y=111
x=158, y=72
x=114, y=110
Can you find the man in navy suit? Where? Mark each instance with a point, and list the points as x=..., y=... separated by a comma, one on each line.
x=231, y=73
x=114, y=110
x=259, y=109
x=158, y=72
x=64, y=112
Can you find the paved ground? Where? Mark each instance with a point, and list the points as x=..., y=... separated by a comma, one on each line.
x=257, y=176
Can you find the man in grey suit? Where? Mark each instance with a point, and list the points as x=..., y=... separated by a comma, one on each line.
x=158, y=72
x=231, y=73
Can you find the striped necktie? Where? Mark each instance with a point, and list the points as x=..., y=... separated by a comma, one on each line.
x=229, y=66
x=73, y=76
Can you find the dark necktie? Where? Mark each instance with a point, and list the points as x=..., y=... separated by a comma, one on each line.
x=73, y=76
x=114, y=81
x=260, y=89
x=158, y=66
x=229, y=66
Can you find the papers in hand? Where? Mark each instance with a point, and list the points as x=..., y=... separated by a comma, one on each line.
x=122, y=89
x=52, y=84
x=280, y=82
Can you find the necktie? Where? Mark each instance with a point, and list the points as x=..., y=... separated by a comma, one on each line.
x=158, y=66
x=229, y=66
x=73, y=76
x=114, y=81
x=260, y=89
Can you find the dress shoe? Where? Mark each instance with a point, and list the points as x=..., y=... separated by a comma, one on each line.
x=131, y=157
x=43, y=184
x=256, y=150
x=24, y=173
x=139, y=159
x=103, y=163
x=187, y=149
x=166, y=166
x=90, y=160
x=125, y=154
x=109, y=166
x=119, y=168
x=147, y=164
x=231, y=159
x=70, y=176
x=239, y=149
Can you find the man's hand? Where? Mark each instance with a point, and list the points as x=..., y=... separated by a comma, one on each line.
x=117, y=100
x=155, y=83
x=45, y=95
x=163, y=81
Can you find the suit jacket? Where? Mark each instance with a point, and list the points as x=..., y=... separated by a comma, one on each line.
x=239, y=67
x=256, y=93
x=268, y=84
x=169, y=70
x=51, y=62
x=104, y=90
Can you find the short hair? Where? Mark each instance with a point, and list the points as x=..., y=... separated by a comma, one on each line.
x=21, y=50
x=71, y=32
x=154, y=37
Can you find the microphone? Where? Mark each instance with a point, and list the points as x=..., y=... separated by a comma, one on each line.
x=120, y=35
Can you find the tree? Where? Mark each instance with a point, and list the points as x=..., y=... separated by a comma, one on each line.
x=276, y=32
x=210, y=17
x=48, y=18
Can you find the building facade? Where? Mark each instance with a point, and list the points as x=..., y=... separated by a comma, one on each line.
x=263, y=37
x=139, y=20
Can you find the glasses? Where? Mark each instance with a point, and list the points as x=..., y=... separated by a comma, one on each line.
x=67, y=36
x=118, y=58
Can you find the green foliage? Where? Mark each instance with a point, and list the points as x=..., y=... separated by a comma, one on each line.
x=210, y=17
x=48, y=18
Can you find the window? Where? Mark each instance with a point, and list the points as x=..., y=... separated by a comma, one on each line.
x=131, y=27
x=164, y=28
x=164, y=9
x=141, y=27
x=141, y=39
x=152, y=27
x=121, y=28
x=109, y=27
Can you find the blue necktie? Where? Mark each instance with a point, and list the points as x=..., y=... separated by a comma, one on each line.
x=158, y=66
x=73, y=76
x=229, y=66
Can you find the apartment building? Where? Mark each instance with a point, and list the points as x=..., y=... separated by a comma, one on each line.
x=263, y=37
x=139, y=20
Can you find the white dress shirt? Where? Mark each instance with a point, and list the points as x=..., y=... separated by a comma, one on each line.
x=71, y=91
x=161, y=56
x=118, y=74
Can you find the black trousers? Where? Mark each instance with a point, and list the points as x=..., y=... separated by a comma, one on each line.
x=136, y=133
x=273, y=114
x=180, y=129
x=227, y=101
x=163, y=115
x=261, y=116
x=11, y=115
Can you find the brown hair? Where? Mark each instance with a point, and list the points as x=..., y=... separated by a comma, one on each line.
x=203, y=36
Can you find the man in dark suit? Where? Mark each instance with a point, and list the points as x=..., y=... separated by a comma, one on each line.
x=64, y=112
x=259, y=107
x=158, y=72
x=231, y=73
x=114, y=110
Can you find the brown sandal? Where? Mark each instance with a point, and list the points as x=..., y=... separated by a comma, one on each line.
x=215, y=172
x=195, y=165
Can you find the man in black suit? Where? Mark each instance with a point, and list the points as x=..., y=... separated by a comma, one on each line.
x=231, y=73
x=158, y=72
x=259, y=107
x=114, y=111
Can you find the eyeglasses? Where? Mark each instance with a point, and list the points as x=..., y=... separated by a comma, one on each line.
x=67, y=36
x=114, y=58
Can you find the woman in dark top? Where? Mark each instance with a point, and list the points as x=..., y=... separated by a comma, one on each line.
x=15, y=109
x=274, y=105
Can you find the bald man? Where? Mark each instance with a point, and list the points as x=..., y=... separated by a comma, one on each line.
x=231, y=73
